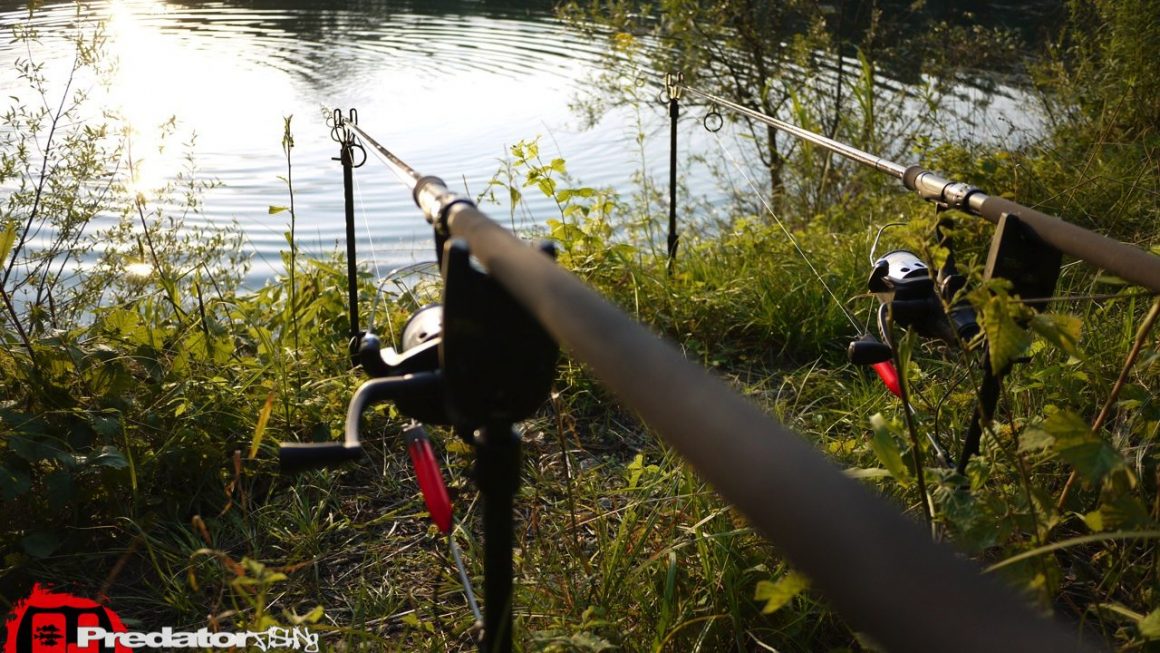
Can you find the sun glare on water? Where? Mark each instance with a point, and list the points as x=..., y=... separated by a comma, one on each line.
x=167, y=85
x=138, y=270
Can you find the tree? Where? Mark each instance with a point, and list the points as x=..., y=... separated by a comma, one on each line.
x=790, y=59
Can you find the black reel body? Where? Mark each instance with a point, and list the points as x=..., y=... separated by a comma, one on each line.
x=495, y=361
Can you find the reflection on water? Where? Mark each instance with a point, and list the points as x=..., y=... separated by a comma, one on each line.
x=447, y=85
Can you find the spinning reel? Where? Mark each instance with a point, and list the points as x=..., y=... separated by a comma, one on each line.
x=910, y=297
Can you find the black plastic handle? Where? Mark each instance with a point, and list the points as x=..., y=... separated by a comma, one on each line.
x=867, y=350
x=302, y=456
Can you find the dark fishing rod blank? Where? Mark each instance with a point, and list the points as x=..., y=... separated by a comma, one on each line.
x=877, y=567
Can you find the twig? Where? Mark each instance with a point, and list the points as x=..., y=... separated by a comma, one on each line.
x=915, y=446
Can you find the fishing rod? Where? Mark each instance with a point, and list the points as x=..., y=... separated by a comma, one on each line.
x=476, y=361
x=1123, y=260
x=832, y=528
x=1026, y=249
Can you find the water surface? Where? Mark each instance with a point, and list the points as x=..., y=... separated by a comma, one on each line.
x=448, y=86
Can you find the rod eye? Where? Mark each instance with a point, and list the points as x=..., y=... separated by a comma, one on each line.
x=713, y=120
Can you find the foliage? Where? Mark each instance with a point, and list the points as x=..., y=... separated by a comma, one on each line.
x=139, y=418
x=849, y=69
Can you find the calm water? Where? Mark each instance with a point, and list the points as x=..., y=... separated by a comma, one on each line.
x=448, y=86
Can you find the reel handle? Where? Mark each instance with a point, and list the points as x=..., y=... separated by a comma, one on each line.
x=867, y=350
x=294, y=457
x=299, y=456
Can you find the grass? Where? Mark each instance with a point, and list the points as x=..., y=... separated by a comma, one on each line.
x=619, y=544
x=126, y=467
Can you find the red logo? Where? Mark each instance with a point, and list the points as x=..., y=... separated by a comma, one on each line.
x=47, y=622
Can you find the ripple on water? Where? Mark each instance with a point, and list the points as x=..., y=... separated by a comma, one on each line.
x=448, y=90
x=448, y=86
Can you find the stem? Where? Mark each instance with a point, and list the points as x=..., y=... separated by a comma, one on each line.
x=915, y=447
x=43, y=177
x=166, y=283
x=19, y=327
x=287, y=145
x=1106, y=410
x=567, y=468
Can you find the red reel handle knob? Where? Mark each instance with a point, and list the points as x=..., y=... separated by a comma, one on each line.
x=429, y=477
x=889, y=376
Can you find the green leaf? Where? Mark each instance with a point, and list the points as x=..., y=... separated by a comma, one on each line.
x=6, y=240
x=558, y=165
x=635, y=469
x=277, y=209
x=59, y=486
x=1006, y=339
x=311, y=617
x=13, y=482
x=1149, y=626
x=1076, y=444
x=22, y=423
x=458, y=446
x=1035, y=439
x=1124, y=511
x=1063, y=331
x=32, y=450
x=260, y=428
x=886, y=449
x=777, y=594
x=107, y=425
x=110, y=457
x=125, y=324
x=1094, y=521
x=547, y=186
x=866, y=473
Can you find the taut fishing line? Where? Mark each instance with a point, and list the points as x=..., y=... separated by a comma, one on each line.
x=367, y=225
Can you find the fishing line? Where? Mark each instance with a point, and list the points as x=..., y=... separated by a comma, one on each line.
x=367, y=225
x=769, y=209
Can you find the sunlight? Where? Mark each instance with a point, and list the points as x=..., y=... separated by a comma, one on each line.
x=168, y=84
x=143, y=59
x=138, y=270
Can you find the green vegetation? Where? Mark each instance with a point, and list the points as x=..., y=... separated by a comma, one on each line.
x=139, y=415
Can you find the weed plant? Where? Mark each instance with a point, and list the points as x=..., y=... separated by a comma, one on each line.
x=138, y=428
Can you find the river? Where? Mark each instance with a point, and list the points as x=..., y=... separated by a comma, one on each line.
x=448, y=86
